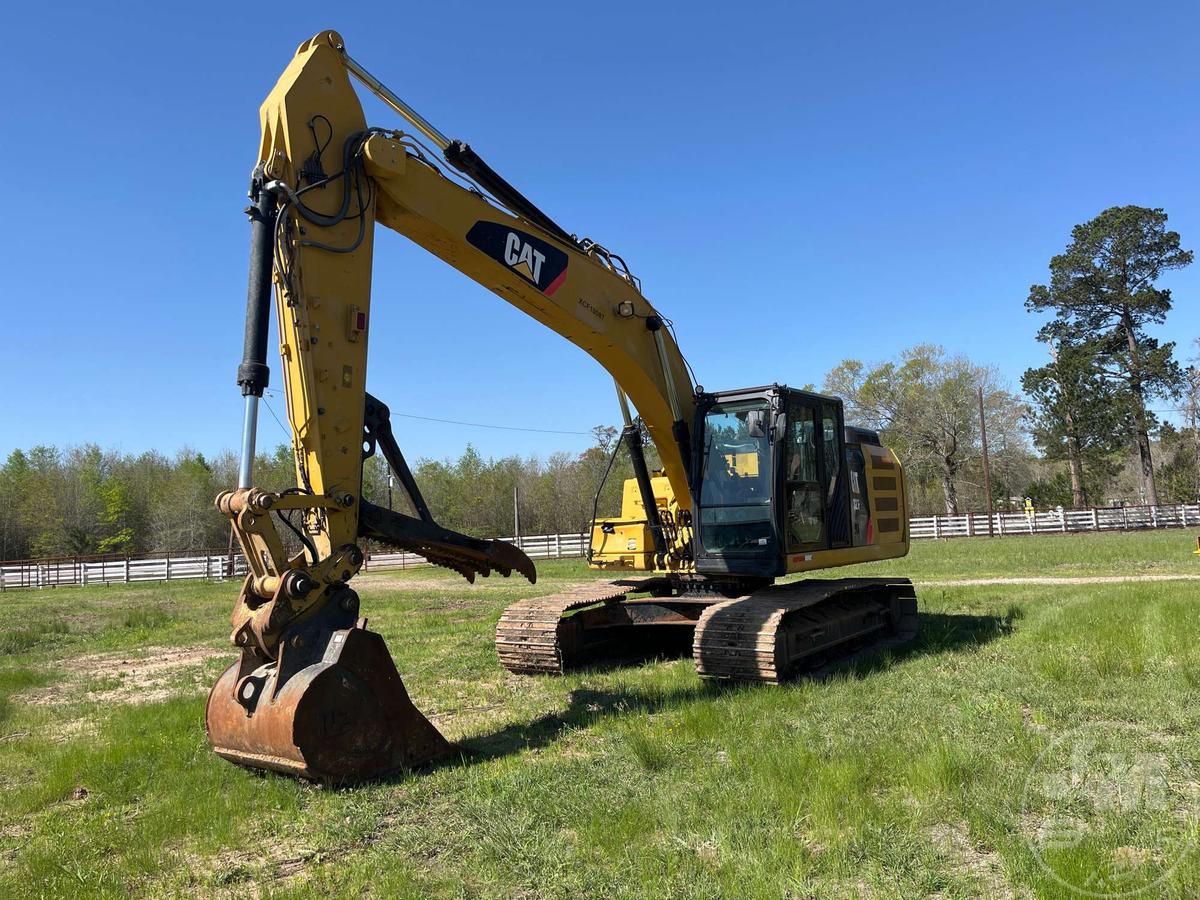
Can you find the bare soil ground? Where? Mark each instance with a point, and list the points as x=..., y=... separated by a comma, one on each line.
x=125, y=677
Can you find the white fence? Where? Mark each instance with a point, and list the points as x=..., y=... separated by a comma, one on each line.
x=116, y=570
x=126, y=570
x=1118, y=518
x=536, y=546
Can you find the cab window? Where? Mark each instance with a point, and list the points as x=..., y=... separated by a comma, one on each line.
x=735, y=491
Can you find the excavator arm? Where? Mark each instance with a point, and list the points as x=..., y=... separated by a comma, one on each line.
x=322, y=180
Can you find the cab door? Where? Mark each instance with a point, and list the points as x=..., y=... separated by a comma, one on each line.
x=804, y=527
x=835, y=477
x=815, y=487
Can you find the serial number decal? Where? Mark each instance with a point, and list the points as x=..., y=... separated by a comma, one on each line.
x=591, y=309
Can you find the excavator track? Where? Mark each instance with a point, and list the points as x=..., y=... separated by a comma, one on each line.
x=533, y=637
x=781, y=630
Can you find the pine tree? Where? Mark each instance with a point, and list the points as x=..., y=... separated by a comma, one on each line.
x=1102, y=292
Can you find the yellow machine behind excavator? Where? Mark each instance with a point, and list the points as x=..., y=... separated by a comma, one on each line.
x=756, y=483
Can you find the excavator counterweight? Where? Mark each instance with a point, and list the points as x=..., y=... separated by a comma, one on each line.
x=756, y=484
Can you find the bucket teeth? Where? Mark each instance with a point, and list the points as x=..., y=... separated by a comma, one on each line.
x=505, y=558
x=459, y=552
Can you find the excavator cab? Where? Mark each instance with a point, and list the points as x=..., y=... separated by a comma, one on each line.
x=774, y=481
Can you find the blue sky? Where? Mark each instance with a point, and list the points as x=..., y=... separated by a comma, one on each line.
x=794, y=183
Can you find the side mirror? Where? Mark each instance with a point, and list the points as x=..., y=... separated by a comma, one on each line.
x=756, y=423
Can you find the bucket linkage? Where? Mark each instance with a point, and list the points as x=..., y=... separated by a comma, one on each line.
x=314, y=693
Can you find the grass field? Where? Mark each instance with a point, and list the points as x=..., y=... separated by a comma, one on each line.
x=930, y=771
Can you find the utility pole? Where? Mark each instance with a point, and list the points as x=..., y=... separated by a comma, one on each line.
x=1192, y=412
x=517, y=514
x=389, y=489
x=987, y=469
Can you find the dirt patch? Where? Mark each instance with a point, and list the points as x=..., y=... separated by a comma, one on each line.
x=400, y=583
x=125, y=678
x=1083, y=579
x=62, y=732
x=15, y=831
x=985, y=866
x=235, y=873
x=454, y=584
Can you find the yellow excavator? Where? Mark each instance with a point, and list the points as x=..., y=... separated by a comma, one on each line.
x=756, y=483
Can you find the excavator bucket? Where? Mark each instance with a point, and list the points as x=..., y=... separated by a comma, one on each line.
x=332, y=707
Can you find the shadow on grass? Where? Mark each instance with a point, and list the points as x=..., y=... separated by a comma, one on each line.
x=938, y=633
x=586, y=707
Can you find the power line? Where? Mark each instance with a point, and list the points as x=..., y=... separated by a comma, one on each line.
x=460, y=422
x=482, y=425
x=267, y=403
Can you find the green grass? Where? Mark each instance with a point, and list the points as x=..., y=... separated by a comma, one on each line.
x=28, y=637
x=1164, y=552
x=901, y=776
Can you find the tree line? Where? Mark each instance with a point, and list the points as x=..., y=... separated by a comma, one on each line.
x=1082, y=430
x=88, y=501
